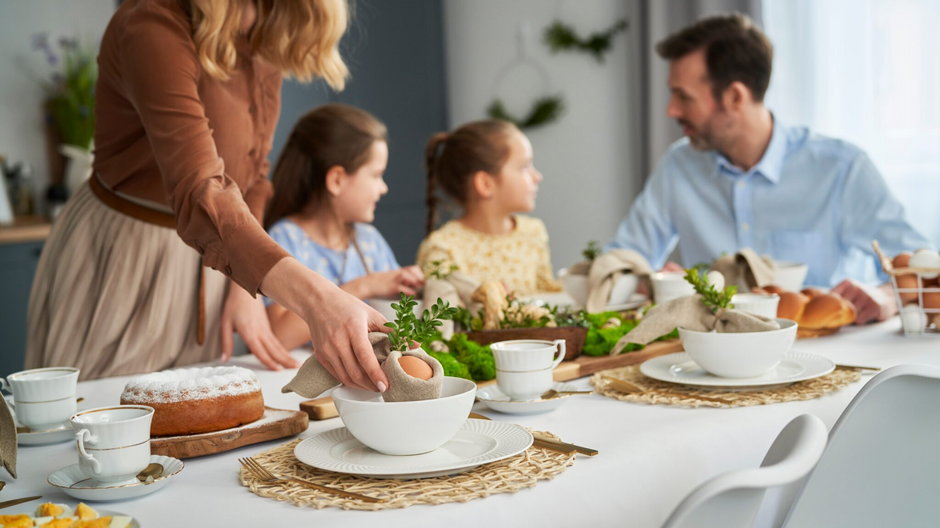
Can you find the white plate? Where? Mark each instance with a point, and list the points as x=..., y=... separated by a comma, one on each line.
x=679, y=368
x=497, y=400
x=72, y=481
x=477, y=442
x=101, y=513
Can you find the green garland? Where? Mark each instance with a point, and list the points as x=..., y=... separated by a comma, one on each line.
x=560, y=37
x=544, y=111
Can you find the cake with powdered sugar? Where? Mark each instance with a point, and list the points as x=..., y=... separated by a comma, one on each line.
x=197, y=400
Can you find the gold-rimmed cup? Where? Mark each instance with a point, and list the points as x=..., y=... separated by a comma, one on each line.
x=113, y=442
x=43, y=398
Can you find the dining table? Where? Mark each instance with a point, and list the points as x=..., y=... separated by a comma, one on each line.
x=650, y=456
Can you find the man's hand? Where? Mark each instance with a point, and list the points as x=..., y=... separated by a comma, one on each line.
x=246, y=316
x=872, y=303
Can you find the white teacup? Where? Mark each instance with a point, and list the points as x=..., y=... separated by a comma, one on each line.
x=669, y=285
x=520, y=355
x=113, y=442
x=44, y=397
x=757, y=303
x=524, y=385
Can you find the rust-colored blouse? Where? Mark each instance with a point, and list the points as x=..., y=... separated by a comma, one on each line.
x=171, y=137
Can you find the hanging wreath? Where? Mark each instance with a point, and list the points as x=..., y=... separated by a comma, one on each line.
x=544, y=110
x=560, y=37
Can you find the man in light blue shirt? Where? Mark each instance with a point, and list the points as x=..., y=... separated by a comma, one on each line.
x=742, y=178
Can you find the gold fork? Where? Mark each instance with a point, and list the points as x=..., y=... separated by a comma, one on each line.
x=264, y=475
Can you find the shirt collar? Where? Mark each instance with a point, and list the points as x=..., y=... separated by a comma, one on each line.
x=771, y=164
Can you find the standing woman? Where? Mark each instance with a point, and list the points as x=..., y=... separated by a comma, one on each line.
x=188, y=97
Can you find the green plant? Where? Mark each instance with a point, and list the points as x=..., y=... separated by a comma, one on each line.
x=408, y=328
x=561, y=37
x=70, y=91
x=591, y=251
x=711, y=297
x=544, y=111
x=439, y=271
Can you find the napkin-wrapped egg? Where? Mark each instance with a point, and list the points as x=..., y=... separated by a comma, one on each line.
x=404, y=386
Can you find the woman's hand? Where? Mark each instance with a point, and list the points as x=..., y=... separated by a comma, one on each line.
x=247, y=316
x=387, y=284
x=339, y=323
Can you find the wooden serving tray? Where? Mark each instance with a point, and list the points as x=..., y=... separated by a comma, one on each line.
x=273, y=424
x=323, y=408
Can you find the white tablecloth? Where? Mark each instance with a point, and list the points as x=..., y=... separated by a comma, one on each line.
x=650, y=456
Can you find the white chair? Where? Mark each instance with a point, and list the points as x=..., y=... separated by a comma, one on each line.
x=733, y=499
x=882, y=465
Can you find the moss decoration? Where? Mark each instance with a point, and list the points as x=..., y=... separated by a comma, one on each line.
x=544, y=110
x=561, y=37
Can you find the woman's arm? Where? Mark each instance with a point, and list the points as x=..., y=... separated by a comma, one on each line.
x=338, y=322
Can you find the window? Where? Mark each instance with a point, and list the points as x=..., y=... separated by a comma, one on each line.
x=866, y=71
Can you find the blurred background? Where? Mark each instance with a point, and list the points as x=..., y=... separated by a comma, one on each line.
x=862, y=70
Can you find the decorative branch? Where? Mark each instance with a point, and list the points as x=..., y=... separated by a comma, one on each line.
x=544, y=111
x=561, y=37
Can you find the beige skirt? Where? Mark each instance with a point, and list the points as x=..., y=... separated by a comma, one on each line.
x=114, y=295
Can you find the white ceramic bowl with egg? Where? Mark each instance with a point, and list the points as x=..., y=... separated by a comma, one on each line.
x=790, y=275
x=763, y=304
x=409, y=427
x=739, y=355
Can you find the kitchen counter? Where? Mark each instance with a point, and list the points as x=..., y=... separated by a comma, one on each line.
x=25, y=229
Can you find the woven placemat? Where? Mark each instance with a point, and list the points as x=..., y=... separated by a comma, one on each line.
x=664, y=393
x=505, y=476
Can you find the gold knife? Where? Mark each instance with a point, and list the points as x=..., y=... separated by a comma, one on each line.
x=14, y=502
x=573, y=447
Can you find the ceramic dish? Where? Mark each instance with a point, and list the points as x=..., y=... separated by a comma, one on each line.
x=495, y=399
x=679, y=368
x=52, y=435
x=101, y=513
x=477, y=442
x=73, y=482
x=635, y=301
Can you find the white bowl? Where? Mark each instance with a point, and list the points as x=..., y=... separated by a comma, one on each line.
x=763, y=304
x=739, y=355
x=576, y=286
x=409, y=427
x=790, y=275
x=669, y=285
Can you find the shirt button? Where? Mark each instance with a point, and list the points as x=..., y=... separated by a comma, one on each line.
x=745, y=227
x=228, y=270
x=741, y=184
x=252, y=152
x=252, y=108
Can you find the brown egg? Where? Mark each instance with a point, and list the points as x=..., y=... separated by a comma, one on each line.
x=415, y=367
x=936, y=321
x=907, y=282
x=773, y=288
x=812, y=292
x=902, y=260
x=932, y=300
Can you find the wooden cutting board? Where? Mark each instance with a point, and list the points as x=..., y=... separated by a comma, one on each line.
x=323, y=408
x=275, y=423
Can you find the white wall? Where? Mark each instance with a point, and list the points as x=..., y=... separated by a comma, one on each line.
x=585, y=156
x=22, y=68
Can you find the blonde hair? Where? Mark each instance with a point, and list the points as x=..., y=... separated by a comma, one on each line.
x=299, y=37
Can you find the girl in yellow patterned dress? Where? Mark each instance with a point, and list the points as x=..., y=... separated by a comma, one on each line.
x=486, y=168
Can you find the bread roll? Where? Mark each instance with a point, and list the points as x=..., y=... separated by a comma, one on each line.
x=827, y=311
x=791, y=305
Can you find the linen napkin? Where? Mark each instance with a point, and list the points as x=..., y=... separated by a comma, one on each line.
x=405, y=387
x=457, y=289
x=690, y=313
x=7, y=439
x=745, y=269
x=604, y=271
x=312, y=379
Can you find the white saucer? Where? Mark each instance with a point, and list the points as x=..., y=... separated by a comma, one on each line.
x=101, y=513
x=73, y=482
x=495, y=399
x=679, y=368
x=635, y=301
x=477, y=442
x=59, y=433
